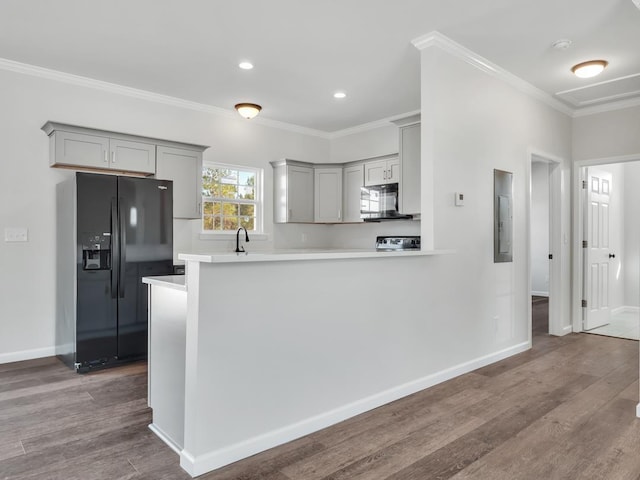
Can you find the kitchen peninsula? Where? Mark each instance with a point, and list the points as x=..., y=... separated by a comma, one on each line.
x=256, y=350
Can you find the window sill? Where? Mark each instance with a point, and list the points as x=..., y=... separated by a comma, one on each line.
x=226, y=236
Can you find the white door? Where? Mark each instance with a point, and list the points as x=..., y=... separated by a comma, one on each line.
x=597, y=252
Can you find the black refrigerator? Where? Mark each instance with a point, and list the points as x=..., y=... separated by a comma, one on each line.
x=121, y=229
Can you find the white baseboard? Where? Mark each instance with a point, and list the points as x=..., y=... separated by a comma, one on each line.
x=638, y=410
x=165, y=438
x=27, y=354
x=198, y=465
x=625, y=309
x=566, y=330
x=540, y=294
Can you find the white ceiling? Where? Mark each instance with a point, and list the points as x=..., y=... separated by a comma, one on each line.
x=305, y=50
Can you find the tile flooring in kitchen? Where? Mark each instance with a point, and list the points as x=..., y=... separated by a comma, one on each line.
x=623, y=324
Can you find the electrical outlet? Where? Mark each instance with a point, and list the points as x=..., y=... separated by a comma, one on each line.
x=16, y=234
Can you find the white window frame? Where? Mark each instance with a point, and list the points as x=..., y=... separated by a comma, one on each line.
x=258, y=202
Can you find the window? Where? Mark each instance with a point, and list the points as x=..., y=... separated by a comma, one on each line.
x=231, y=198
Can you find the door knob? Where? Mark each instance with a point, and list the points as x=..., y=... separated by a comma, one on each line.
x=612, y=255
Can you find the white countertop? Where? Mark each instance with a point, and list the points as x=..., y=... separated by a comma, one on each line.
x=177, y=282
x=306, y=254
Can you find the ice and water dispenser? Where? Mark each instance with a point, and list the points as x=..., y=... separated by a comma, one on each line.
x=96, y=252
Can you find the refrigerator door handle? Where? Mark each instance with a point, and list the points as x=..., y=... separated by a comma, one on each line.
x=123, y=249
x=115, y=249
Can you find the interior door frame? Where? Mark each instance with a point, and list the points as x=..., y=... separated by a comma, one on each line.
x=557, y=210
x=578, y=176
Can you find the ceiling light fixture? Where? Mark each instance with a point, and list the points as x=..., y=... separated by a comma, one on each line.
x=589, y=69
x=339, y=95
x=248, y=110
x=636, y=3
x=245, y=65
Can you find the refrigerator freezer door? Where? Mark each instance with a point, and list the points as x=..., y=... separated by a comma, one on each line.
x=97, y=307
x=146, y=238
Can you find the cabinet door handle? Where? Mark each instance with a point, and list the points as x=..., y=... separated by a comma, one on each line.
x=113, y=157
x=339, y=214
x=106, y=157
x=384, y=174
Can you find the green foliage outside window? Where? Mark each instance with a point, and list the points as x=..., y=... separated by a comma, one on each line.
x=229, y=199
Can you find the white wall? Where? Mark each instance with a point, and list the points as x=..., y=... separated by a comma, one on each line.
x=477, y=123
x=27, y=184
x=615, y=135
x=482, y=305
x=540, y=228
x=631, y=265
x=607, y=134
x=360, y=145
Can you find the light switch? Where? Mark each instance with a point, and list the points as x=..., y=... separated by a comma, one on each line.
x=16, y=234
x=459, y=199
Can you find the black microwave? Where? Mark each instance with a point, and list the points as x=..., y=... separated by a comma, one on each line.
x=380, y=202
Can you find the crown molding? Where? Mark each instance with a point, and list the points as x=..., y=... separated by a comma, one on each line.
x=436, y=39
x=606, y=107
x=385, y=122
x=71, y=79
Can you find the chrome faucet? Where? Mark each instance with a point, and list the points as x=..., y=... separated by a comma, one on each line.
x=240, y=249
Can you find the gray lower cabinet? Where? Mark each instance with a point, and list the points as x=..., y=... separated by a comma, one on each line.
x=184, y=168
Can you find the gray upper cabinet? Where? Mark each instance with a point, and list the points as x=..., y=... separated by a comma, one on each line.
x=98, y=150
x=353, y=178
x=82, y=148
x=70, y=149
x=184, y=168
x=410, y=158
x=379, y=172
x=328, y=194
x=131, y=156
x=293, y=197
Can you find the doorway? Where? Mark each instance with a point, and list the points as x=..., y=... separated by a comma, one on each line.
x=610, y=244
x=540, y=249
x=547, y=251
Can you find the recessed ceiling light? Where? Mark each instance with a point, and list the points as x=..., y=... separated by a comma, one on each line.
x=245, y=65
x=589, y=69
x=339, y=95
x=562, y=44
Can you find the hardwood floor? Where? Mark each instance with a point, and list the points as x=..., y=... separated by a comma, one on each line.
x=563, y=410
